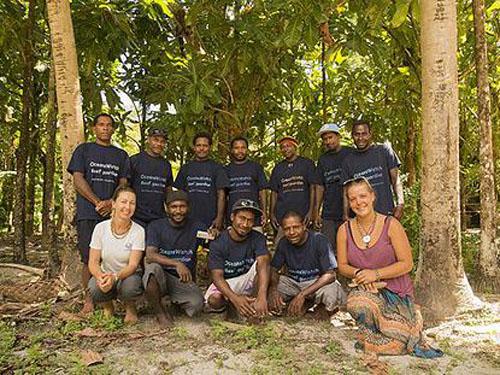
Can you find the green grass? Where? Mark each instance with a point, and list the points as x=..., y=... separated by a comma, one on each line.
x=7, y=342
x=99, y=321
x=334, y=349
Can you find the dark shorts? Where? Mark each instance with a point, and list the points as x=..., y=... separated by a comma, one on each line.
x=85, y=228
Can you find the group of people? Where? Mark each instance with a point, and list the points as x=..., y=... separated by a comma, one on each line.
x=336, y=215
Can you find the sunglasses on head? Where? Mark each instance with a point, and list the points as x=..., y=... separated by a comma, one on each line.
x=355, y=181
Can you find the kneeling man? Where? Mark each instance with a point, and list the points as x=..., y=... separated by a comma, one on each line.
x=171, y=246
x=310, y=270
x=239, y=264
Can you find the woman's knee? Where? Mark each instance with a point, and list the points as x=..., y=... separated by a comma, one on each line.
x=130, y=288
x=97, y=294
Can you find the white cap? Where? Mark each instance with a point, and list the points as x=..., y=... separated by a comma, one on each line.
x=328, y=128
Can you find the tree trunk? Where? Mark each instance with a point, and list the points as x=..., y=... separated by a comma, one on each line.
x=32, y=170
x=23, y=149
x=323, y=83
x=142, y=124
x=442, y=286
x=69, y=108
x=411, y=155
x=488, y=275
x=68, y=98
x=48, y=232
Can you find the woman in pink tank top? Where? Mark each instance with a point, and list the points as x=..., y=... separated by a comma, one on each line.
x=373, y=250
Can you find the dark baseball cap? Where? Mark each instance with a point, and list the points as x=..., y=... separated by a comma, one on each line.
x=157, y=131
x=177, y=195
x=246, y=204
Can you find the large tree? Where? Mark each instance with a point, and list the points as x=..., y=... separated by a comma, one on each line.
x=69, y=104
x=24, y=138
x=442, y=286
x=488, y=275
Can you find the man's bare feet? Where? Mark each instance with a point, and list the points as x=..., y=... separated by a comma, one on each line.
x=108, y=308
x=164, y=320
x=88, y=306
x=320, y=313
x=130, y=314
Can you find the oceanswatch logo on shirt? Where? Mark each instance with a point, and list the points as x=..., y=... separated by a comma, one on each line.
x=294, y=183
x=102, y=172
x=199, y=184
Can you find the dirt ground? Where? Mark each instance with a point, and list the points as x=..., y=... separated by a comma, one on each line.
x=40, y=332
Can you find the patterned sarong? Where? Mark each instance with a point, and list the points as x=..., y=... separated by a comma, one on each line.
x=388, y=324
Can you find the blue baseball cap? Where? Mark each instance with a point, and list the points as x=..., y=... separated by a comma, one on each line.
x=326, y=128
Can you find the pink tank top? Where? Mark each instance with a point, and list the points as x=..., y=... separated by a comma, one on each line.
x=380, y=255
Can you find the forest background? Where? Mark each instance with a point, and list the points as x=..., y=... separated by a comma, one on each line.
x=258, y=68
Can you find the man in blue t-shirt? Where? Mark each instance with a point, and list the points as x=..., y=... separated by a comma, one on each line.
x=293, y=183
x=239, y=264
x=379, y=165
x=246, y=179
x=171, y=247
x=205, y=182
x=151, y=178
x=98, y=168
x=329, y=193
x=310, y=267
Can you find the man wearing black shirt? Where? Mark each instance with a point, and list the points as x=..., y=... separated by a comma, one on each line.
x=205, y=182
x=98, y=168
x=246, y=179
x=151, y=178
x=310, y=270
x=329, y=193
x=171, y=249
x=293, y=183
x=379, y=165
x=239, y=264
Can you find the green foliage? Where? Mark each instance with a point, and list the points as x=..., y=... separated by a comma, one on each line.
x=7, y=341
x=99, y=321
x=270, y=348
x=412, y=219
x=470, y=251
x=334, y=349
x=245, y=67
x=180, y=333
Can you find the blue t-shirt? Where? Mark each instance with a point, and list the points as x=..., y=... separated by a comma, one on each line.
x=102, y=168
x=245, y=181
x=236, y=258
x=150, y=177
x=292, y=181
x=201, y=180
x=374, y=164
x=330, y=172
x=178, y=243
x=307, y=261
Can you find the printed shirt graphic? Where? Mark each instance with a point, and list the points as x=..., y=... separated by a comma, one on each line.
x=236, y=258
x=177, y=243
x=330, y=171
x=149, y=177
x=374, y=164
x=245, y=181
x=201, y=180
x=307, y=261
x=102, y=168
x=292, y=181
